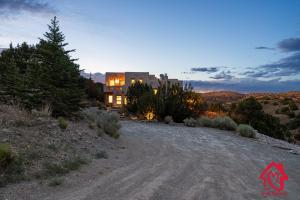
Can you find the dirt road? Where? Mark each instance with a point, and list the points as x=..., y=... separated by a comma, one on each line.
x=163, y=162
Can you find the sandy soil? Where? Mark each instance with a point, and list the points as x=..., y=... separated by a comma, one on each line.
x=163, y=162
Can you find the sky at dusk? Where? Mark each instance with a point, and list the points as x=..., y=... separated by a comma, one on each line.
x=239, y=45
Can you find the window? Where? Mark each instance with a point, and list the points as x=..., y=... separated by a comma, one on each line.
x=119, y=100
x=155, y=91
x=140, y=80
x=110, y=98
x=125, y=100
x=132, y=81
x=111, y=83
x=117, y=81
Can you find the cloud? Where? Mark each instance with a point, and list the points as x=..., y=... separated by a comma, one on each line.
x=289, y=45
x=264, y=48
x=247, y=85
x=205, y=69
x=288, y=66
x=224, y=75
x=8, y=7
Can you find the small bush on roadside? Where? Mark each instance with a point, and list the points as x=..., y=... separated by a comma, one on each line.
x=190, y=122
x=106, y=122
x=275, y=103
x=56, y=181
x=205, y=121
x=291, y=139
x=168, y=119
x=62, y=123
x=246, y=131
x=224, y=123
x=101, y=154
x=111, y=129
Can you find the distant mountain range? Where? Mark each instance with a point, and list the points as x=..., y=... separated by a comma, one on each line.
x=97, y=77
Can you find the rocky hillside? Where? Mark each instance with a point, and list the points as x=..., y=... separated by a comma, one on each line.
x=37, y=146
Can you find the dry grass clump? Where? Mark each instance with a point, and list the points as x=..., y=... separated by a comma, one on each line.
x=11, y=165
x=15, y=115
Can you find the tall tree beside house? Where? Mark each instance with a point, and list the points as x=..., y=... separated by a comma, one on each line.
x=60, y=75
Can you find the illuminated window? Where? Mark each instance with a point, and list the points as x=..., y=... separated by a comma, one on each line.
x=155, y=91
x=132, y=81
x=125, y=100
x=140, y=80
x=111, y=82
x=119, y=100
x=110, y=98
x=117, y=81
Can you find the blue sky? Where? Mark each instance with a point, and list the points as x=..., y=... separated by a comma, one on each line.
x=222, y=42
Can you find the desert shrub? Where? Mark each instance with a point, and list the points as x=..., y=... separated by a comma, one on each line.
x=205, y=121
x=293, y=105
x=224, y=123
x=56, y=181
x=191, y=122
x=11, y=166
x=74, y=164
x=106, y=122
x=101, y=154
x=92, y=125
x=285, y=110
x=111, y=129
x=291, y=115
x=275, y=103
x=62, y=123
x=291, y=139
x=6, y=156
x=100, y=132
x=168, y=119
x=285, y=101
x=246, y=131
x=297, y=135
x=294, y=123
x=54, y=169
x=266, y=102
x=249, y=111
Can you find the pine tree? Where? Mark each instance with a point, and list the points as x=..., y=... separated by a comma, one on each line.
x=60, y=75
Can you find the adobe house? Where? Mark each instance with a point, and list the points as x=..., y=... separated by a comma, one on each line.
x=117, y=83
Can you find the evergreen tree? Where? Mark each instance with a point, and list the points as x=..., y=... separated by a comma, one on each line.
x=60, y=75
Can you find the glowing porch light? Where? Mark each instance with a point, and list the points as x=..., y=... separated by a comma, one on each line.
x=150, y=115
